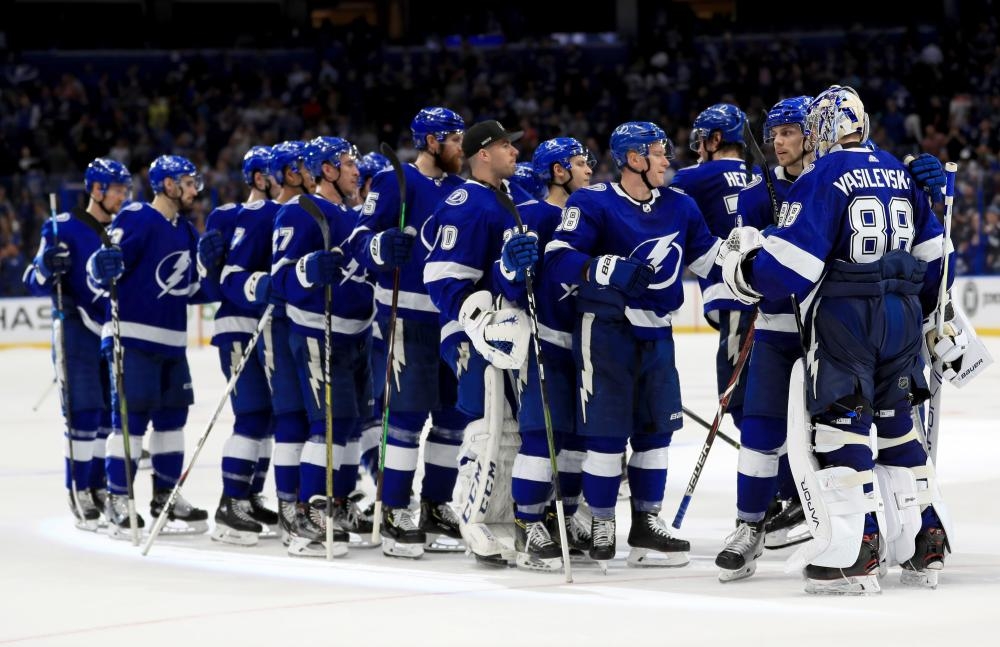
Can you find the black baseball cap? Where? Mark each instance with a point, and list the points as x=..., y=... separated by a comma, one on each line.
x=482, y=134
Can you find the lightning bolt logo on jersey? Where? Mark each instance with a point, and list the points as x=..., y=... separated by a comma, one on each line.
x=176, y=274
x=665, y=257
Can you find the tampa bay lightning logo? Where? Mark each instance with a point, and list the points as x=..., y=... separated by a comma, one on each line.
x=172, y=274
x=95, y=289
x=457, y=197
x=665, y=256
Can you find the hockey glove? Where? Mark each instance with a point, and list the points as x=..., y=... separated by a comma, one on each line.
x=320, y=268
x=948, y=347
x=500, y=335
x=741, y=240
x=519, y=253
x=626, y=275
x=929, y=174
x=211, y=252
x=392, y=247
x=106, y=265
x=732, y=276
x=54, y=261
x=257, y=289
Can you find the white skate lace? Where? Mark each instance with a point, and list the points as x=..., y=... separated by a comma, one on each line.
x=86, y=499
x=445, y=513
x=656, y=525
x=348, y=513
x=576, y=529
x=402, y=519
x=604, y=531
x=287, y=510
x=241, y=508
x=741, y=540
x=538, y=535
x=258, y=501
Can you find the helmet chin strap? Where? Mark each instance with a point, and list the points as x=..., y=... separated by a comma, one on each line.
x=643, y=174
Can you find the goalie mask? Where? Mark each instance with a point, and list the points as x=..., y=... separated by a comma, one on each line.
x=834, y=114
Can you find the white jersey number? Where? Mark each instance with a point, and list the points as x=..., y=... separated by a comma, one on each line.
x=879, y=228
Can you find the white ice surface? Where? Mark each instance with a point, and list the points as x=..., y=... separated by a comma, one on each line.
x=61, y=586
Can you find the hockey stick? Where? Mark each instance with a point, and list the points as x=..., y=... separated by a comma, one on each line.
x=741, y=359
x=508, y=204
x=169, y=506
x=324, y=227
x=119, y=371
x=45, y=394
x=704, y=423
x=397, y=168
x=937, y=369
x=62, y=363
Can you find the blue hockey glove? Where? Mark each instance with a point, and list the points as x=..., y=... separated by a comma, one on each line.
x=929, y=174
x=211, y=250
x=257, y=289
x=53, y=261
x=320, y=268
x=519, y=253
x=392, y=247
x=626, y=275
x=106, y=264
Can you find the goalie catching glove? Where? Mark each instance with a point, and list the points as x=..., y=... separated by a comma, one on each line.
x=742, y=245
x=500, y=335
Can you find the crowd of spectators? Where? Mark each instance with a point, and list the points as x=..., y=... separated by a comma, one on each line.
x=925, y=89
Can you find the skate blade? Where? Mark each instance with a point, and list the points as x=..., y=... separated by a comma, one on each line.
x=927, y=578
x=603, y=565
x=648, y=558
x=363, y=540
x=303, y=547
x=733, y=575
x=176, y=527
x=527, y=562
x=392, y=548
x=122, y=534
x=785, y=538
x=226, y=535
x=493, y=561
x=268, y=532
x=90, y=525
x=443, y=544
x=857, y=585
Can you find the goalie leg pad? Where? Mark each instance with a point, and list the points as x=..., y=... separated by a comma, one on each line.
x=899, y=522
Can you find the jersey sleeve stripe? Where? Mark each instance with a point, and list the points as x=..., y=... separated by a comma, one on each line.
x=437, y=270
x=794, y=258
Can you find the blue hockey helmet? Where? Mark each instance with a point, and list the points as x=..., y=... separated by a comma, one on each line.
x=525, y=178
x=257, y=159
x=106, y=171
x=371, y=164
x=638, y=136
x=174, y=167
x=724, y=117
x=284, y=155
x=786, y=111
x=438, y=121
x=559, y=150
x=326, y=149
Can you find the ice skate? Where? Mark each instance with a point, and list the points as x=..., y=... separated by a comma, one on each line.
x=286, y=520
x=183, y=518
x=861, y=578
x=308, y=536
x=350, y=518
x=400, y=535
x=928, y=559
x=577, y=533
x=234, y=523
x=602, y=547
x=91, y=514
x=652, y=544
x=738, y=560
x=267, y=518
x=536, y=551
x=439, y=523
x=787, y=527
x=116, y=512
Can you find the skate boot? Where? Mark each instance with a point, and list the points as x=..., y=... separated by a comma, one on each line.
x=234, y=522
x=350, y=518
x=602, y=545
x=286, y=520
x=99, y=495
x=928, y=559
x=861, y=578
x=738, y=560
x=787, y=527
x=260, y=512
x=440, y=526
x=91, y=514
x=400, y=535
x=535, y=549
x=652, y=544
x=308, y=537
x=116, y=512
x=183, y=518
x=577, y=533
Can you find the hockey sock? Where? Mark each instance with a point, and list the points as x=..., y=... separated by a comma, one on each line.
x=570, y=463
x=166, y=446
x=290, y=433
x=114, y=461
x=647, y=470
x=240, y=453
x=83, y=435
x=264, y=448
x=441, y=463
x=757, y=469
x=531, y=482
x=98, y=478
x=401, y=453
x=602, y=473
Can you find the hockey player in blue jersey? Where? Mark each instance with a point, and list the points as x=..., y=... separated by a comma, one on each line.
x=154, y=261
x=421, y=383
x=564, y=166
x=234, y=254
x=368, y=167
x=65, y=246
x=524, y=185
x=858, y=236
x=625, y=244
x=715, y=183
x=301, y=268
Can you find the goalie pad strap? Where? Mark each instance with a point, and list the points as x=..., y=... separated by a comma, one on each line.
x=887, y=443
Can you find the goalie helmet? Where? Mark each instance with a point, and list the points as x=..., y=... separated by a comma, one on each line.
x=723, y=117
x=106, y=171
x=559, y=150
x=786, y=111
x=257, y=160
x=288, y=154
x=327, y=150
x=439, y=122
x=174, y=167
x=371, y=164
x=638, y=136
x=834, y=114
x=525, y=178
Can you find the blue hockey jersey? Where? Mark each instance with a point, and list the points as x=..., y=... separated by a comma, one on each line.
x=296, y=235
x=667, y=231
x=380, y=212
x=852, y=205
x=249, y=252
